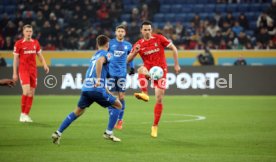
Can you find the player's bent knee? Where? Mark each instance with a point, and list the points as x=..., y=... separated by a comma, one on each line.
x=117, y=104
x=142, y=70
x=79, y=111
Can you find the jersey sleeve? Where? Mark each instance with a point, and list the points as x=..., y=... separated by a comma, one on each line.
x=107, y=56
x=134, y=47
x=16, y=49
x=38, y=48
x=164, y=41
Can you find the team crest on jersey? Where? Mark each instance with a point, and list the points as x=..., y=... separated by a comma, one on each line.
x=34, y=47
x=156, y=45
x=108, y=56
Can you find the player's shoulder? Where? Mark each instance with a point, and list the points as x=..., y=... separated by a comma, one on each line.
x=112, y=40
x=18, y=42
x=127, y=43
x=157, y=36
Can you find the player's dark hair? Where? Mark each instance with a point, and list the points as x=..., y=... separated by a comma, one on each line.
x=102, y=40
x=121, y=27
x=146, y=23
x=27, y=26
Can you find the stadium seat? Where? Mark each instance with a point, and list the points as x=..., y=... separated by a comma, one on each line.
x=252, y=25
x=128, y=8
x=186, y=9
x=232, y=7
x=125, y=17
x=209, y=8
x=159, y=17
x=180, y=17
x=10, y=9
x=265, y=6
x=170, y=17
x=165, y=8
x=176, y=8
x=1, y=9
x=220, y=8
x=243, y=7
x=236, y=15
x=254, y=7
x=249, y=33
x=251, y=16
x=198, y=8
x=204, y=16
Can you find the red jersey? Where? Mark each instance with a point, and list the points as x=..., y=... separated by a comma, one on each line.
x=152, y=51
x=27, y=51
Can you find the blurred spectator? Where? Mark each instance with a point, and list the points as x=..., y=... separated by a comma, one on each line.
x=196, y=20
x=264, y=20
x=8, y=44
x=271, y=45
x=243, y=21
x=237, y=28
x=226, y=29
x=206, y=58
x=272, y=10
x=263, y=37
x=229, y=18
x=240, y=61
x=3, y=62
x=212, y=29
x=135, y=15
x=144, y=12
x=243, y=40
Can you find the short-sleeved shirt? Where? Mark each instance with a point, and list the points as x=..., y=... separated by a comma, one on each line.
x=118, y=61
x=27, y=51
x=91, y=76
x=152, y=51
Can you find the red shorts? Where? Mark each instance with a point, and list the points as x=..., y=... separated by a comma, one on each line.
x=27, y=77
x=160, y=83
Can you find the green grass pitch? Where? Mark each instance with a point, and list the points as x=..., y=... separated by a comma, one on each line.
x=236, y=128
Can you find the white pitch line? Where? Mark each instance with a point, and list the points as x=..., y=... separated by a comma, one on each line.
x=196, y=118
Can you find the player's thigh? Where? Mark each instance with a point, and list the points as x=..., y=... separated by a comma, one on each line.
x=143, y=70
x=85, y=100
x=121, y=95
x=26, y=89
x=105, y=99
x=117, y=104
x=159, y=94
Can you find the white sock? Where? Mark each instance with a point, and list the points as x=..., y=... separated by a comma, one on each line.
x=108, y=132
x=59, y=133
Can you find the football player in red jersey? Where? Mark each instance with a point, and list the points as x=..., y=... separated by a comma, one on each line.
x=25, y=51
x=151, y=49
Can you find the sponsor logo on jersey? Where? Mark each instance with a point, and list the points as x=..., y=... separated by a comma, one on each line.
x=118, y=53
x=152, y=51
x=30, y=52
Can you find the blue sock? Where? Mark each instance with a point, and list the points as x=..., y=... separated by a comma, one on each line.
x=113, y=116
x=67, y=121
x=122, y=111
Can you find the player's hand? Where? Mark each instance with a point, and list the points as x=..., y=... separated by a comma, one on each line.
x=136, y=48
x=15, y=77
x=98, y=83
x=131, y=71
x=177, y=68
x=7, y=82
x=46, y=68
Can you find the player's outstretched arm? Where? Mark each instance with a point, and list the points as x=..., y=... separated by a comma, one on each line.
x=99, y=67
x=15, y=65
x=7, y=82
x=175, y=57
x=133, y=53
x=42, y=60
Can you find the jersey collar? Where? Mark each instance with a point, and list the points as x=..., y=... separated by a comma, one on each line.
x=24, y=40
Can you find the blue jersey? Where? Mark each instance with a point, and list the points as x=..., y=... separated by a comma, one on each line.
x=118, y=61
x=91, y=77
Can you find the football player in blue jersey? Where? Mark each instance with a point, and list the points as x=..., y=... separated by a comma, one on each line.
x=119, y=49
x=94, y=90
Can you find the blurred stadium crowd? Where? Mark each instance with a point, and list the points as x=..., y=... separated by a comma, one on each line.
x=190, y=24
